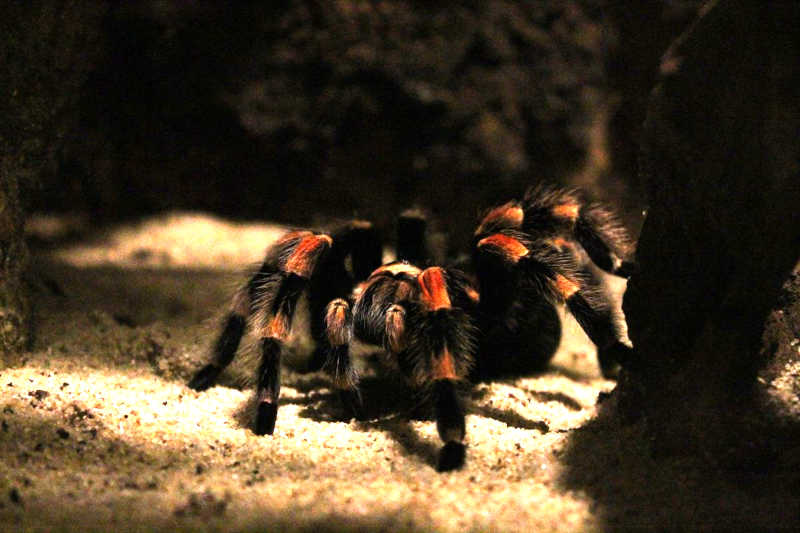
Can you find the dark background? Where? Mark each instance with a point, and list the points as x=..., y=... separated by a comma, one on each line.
x=303, y=112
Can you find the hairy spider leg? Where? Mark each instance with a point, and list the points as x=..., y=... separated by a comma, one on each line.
x=296, y=265
x=273, y=333
x=338, y=363
x=357, y=243
x=603, y=328
x=586, y=298
x=226, y=344
x=507, y=216
x=513, y=314
x=551, y=211
x=411, y=312
x=605, y=240
x=548, y=211
x=511, y=263
x=440, y=346
x=243, y=305
x=581, y=291
x=270, y=296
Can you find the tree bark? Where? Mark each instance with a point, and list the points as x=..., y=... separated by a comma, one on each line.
x=46, y=51
x=14, y=305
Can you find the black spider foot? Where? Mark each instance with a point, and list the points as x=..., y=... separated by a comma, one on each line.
x=452, y=456
x=352, y=403
x=205, y=378
x=265, y=418
x=613, y=357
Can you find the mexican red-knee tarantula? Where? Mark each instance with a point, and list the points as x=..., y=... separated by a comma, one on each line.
x=435, y=323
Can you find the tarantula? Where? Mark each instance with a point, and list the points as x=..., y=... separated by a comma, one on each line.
x=435, y=323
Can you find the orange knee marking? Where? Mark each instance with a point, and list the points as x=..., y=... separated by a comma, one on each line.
x=565, y=286
x=444, y=367
x=569, y=211
x=302, y=260
x=472, y=294
x=511, y=248
x=278, y=327
x=508, y=215
x=434, y=289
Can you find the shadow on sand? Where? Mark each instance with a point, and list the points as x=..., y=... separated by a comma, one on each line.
x=637, y=487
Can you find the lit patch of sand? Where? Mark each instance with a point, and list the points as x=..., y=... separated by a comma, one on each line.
x=177, y=240
x=100, y=432
x=126, y=438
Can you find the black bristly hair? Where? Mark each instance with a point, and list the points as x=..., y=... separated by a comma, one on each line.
x=545, y=248
x=595, y=226
x=423, y=318
x=300, y=262
x=438, y=326
x=431, y=332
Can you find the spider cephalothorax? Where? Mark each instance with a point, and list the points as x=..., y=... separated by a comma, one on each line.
x=437, y=328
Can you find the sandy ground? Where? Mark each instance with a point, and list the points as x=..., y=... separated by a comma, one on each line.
x=99, y=432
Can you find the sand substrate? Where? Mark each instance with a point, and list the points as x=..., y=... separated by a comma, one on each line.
x=100, y=433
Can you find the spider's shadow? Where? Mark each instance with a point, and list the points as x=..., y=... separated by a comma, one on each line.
x=389, y=406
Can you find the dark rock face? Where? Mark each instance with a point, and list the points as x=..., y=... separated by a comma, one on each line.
x=780, y=354
x=639, y=35
x=46, y=50
x=721, y=167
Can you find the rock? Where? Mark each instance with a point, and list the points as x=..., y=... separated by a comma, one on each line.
x=779, y=377
x=639, y=34
x=39, y=394
x=721, y=168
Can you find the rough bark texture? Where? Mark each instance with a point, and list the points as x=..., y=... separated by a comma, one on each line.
x=45, y=53
x=721, y=165
x=14, y=307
